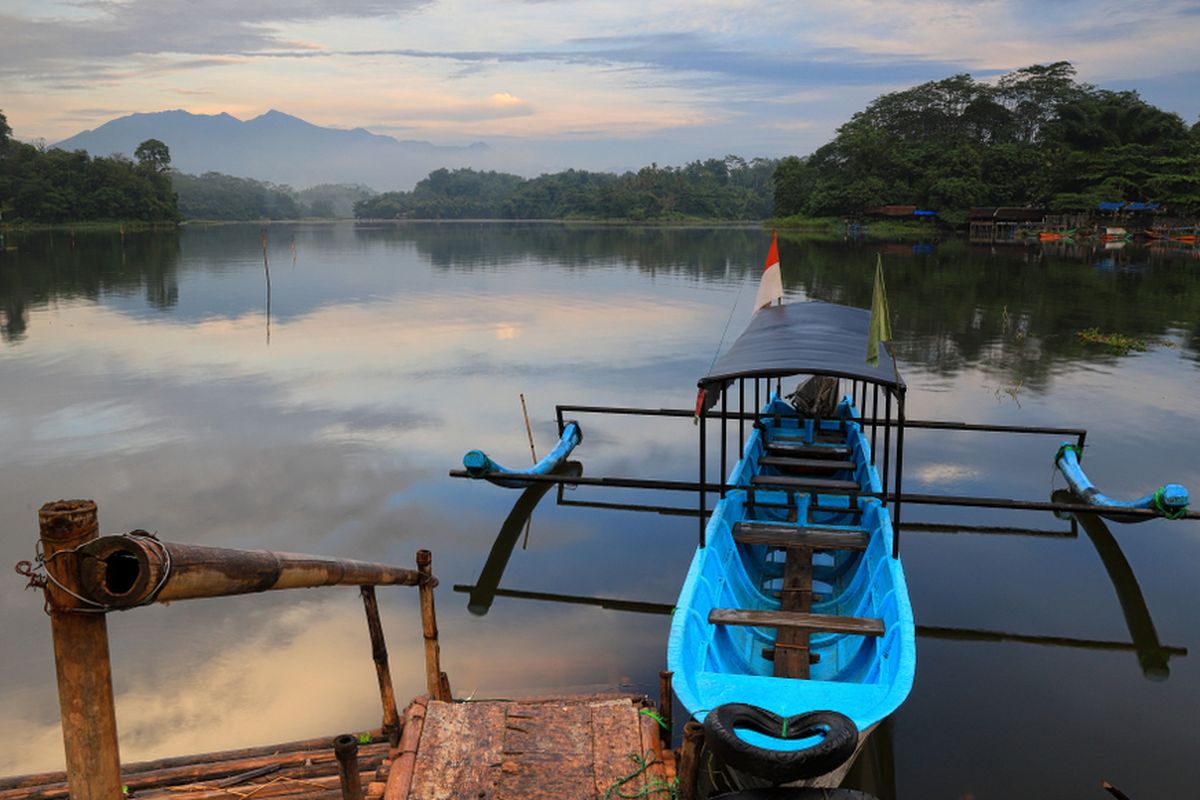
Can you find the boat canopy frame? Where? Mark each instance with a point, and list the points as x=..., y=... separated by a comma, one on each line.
x=813, y=339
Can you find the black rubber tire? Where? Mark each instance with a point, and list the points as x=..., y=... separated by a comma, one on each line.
x=792, y=793
x=780, y=766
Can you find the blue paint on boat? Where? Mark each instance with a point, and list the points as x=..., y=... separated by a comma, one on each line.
x=864, y=677
x=1170, y=501
x=479, y=465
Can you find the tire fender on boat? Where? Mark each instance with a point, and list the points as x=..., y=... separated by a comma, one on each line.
x=838, y=741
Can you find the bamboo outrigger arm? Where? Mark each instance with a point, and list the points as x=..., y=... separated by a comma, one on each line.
x=135, y=569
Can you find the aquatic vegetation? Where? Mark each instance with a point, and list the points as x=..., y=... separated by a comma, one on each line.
x=1116, y=341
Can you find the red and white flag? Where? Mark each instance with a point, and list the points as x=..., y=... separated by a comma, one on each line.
x=771, y=287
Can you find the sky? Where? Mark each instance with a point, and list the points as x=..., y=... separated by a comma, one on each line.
x=591, y=83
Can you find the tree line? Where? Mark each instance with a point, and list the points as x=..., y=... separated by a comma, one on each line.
x=1036, y=137
x=729, y=188
x=48, y=186
x=216, y=196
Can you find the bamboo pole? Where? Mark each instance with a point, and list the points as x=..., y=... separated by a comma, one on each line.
x=689, y=759
x=528, y=428
x=126, y=571
x=345, y=749
x=85, y=693
x=305, y=763
x=404, y=760
x=387, y=694
x=308, y=748
x=436, y=681
x=665, y=706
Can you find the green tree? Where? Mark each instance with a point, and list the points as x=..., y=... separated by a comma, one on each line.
x=153, y=156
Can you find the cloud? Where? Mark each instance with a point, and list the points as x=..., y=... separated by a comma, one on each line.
x=111, y=30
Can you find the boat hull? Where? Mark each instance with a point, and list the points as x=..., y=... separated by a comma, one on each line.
x=863, y=677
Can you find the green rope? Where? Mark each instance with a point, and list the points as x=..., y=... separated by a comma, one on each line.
x=1067, y=446
x=1168, y=511
x=652, y=715
x=783, y=731
x=652, y=787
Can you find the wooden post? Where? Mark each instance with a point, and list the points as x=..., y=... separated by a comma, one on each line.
x=345, y=748
x=436, y=681
x=689, y=759
x=387, y=694
x=85, y=694
x=666, y=704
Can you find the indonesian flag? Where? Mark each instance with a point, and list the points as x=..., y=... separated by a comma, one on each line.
x=771, y=288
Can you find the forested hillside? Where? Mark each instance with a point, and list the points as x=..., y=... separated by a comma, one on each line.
x=730, y=188
x=1035, y=137
x=48, y=186
x=213, y=196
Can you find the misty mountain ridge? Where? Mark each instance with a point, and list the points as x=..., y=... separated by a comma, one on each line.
x=277, y=147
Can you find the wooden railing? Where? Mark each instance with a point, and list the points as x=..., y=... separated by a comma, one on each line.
x=86, y=575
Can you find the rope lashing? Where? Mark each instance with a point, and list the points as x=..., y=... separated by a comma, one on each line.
x=1167, y=510
x=1068, y=447
x=40, y=577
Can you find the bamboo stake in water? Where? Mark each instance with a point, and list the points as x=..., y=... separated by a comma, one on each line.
x=528, y=428
x=267, y=272
x=532, y=452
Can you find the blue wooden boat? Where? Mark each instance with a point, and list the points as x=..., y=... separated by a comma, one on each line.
x=1170, y=500
x=479, y=465
x=795, y=601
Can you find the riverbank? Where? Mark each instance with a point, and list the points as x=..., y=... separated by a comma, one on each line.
x=128, y=226
x=839, y=227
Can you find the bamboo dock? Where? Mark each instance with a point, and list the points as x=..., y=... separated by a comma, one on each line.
x=573, y=748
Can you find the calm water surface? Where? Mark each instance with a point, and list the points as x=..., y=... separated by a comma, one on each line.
x=146, y=375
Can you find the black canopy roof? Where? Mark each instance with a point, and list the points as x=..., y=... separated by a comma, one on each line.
x=809, y=338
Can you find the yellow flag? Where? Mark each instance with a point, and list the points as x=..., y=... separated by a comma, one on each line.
x=881, y=318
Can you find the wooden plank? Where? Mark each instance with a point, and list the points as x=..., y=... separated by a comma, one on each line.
x=547, y=752
x=788, y=462
x=547, y=728
x=862, y=626
x=546, y=776
x=791, y=644
x=798, y=536
x=616, y=736
x=814, y=450
x=806, y=483
x=460, y=751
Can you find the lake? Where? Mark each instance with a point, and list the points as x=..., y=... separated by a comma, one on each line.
x=145, y=373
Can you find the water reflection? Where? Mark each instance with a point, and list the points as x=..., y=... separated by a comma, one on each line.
x=1151, y=654
x=144, y=382
x=517, y=521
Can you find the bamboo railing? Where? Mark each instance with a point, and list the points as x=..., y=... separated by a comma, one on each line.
x=87, y=575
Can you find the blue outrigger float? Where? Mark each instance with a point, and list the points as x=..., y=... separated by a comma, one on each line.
x=1169, y=500
x=793, y=635
x=479, y=465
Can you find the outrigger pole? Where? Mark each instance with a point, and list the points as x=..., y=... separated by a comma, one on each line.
x=799, y=486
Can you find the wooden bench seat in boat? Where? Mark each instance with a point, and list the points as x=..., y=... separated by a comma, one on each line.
x=787, y=462
x=785, y=481
x=820, y=437
x=812, y=450
x=778, y=535
x=797, y=620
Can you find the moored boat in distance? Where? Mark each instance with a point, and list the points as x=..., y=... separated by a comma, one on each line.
x=795, y=601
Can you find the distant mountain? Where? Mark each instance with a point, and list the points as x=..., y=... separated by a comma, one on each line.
x=277, y=147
